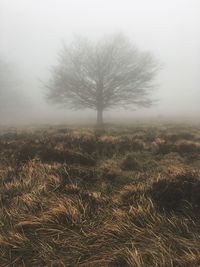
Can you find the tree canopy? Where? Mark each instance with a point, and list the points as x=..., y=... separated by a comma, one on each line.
x=102, y=75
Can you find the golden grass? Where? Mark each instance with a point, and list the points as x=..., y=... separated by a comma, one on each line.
x=81, y=208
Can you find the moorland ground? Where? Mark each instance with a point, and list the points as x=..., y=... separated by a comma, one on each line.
x=129, y=196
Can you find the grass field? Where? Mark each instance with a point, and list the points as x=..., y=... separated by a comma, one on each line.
x=129, y=196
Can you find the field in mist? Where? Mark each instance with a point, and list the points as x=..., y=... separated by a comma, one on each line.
x=126, y=197
x=99, y=133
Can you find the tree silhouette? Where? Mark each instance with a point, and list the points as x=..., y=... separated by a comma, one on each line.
x=102, y=75
x=12, y=99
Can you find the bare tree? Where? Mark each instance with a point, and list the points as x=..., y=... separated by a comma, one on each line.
x=11, y=100
x=6, y=86
x=109, y=73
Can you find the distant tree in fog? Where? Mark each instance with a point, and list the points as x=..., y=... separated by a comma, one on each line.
x=110, y=73
x=10, y=99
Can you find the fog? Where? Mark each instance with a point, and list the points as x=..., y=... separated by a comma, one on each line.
x=32, y=33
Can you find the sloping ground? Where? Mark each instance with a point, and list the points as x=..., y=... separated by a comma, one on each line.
x=128, y=198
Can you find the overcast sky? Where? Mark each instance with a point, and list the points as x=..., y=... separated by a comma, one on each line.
x=32, y=32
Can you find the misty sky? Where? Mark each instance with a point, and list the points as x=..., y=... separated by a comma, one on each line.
x=32, y=32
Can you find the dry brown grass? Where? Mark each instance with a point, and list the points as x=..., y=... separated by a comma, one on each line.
x=69, y=197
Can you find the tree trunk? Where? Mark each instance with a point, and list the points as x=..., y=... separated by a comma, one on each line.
x=99, y=117
x=100, y=102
